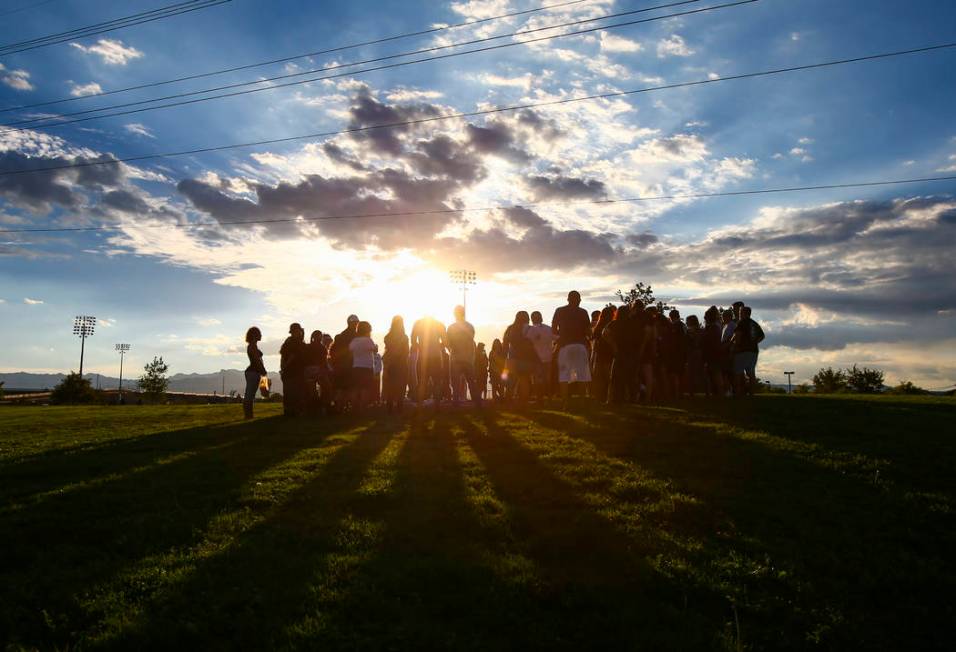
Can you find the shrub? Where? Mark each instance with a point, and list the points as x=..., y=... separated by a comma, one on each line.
x=829, y=381
x=73, y=389
x=153, y=383
x=865, y=380
x=907, y=388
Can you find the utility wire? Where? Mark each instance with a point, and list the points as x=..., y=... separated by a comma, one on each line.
x=25, y=8
x=58, y=122
x=109, y=26
x=484, y=112
x=445, y=211
x=293, y=57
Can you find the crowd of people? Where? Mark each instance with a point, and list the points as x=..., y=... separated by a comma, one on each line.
x=625, y=353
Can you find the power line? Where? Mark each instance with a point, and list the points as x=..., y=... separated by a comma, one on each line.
x=35, y=5
x=57, y=122
x=294, y=57
x=109, y=26
x=445, y=211
x=484, y=112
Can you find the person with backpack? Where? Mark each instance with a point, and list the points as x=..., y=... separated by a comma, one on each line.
x=745, y=342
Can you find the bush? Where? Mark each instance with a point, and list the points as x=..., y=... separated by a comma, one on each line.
x=73, y=389
x=829, y=381
x=907, y=388
x=865, y=380
x=802, y=388
x=153, y=383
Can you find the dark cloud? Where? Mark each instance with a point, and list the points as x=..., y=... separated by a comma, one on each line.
x=642, y=240
x=40, y=191
x=539, y=246
x=565, y=187
x=498, y=139
x=367, y=111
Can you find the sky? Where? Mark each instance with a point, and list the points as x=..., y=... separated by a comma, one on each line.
x=836, y=277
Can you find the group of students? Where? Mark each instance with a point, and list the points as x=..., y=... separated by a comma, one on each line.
x=621, y=353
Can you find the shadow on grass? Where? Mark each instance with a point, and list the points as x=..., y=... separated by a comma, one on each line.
x=809, y=553
x=54, y=551
x=241, y=596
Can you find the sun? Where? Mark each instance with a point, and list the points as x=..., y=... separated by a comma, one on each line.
x=422, y=293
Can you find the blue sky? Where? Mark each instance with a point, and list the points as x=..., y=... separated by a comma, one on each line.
x=837, y=277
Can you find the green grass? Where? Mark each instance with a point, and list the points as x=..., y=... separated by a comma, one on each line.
x=777, y=523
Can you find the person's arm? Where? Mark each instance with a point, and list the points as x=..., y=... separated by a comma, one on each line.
x=555, y=324
x=758, y=332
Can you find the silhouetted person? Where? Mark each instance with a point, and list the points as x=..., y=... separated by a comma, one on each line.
x=318, y=385
x=542, y=338
x=745, y=340
x=713, y=352
x=696, y=380
x=726, y=348
x=395, y=366
x=602, y=355
x=254, y=372
x=292, y=370
x=497, y=365
x=429, y=335
x=342, y=363
x=521, y=357
x=481, y=369
x=363, y=351
x=620, y=335
x=461, y=352
x=675, y=354
x=571, y=326
x=648, y=352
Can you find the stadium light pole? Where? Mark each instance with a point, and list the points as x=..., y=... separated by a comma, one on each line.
x=789, y=374
x=83, y=327
x=463, y=278
x=122, y=348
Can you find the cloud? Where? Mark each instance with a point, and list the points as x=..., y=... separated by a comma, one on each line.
x=139, y=130
x=613, y=43
x=559, y=186
x=521, y=81
x=673, y=46
x=208, y=321
x=112, y=52
x=79, y=90
x=32, y=302
x=16, y=79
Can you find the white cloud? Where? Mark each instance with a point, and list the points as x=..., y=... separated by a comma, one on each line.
x=32, y=302
x=208, y=321
x=402, y=94
x=522, y=81
x=673, y=46
x=805, y=141
x=951, y=167
x=139, y=130
x=15, y=79
x=79, y=90
x=114, y=53
x=613, y=43
x=713, y=76
x=109, y=322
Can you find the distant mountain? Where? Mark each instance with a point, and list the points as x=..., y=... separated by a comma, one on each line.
x=232, y=379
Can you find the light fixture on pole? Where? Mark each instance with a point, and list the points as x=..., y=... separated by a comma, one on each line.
x=789, y=375
x=463, y=278
x=122, y=349
x=83, y=327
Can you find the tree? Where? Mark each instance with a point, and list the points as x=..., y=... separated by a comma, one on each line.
x=153, y=382
x=642, y=294
x=1, y=389
x=829, y=381
x=71, y=390
x=802, y=388
x=907, y=388
x=865, y=380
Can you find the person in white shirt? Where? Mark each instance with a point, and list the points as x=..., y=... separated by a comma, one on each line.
x=461, y=351
x=363, y=351
x=543, y=340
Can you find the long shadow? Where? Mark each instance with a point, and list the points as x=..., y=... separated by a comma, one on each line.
x=808, y=553
x=52, y=552
x=48, y=471
x=603, y=592
x=240, y=597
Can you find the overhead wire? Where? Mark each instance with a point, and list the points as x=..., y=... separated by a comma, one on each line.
x=35, y=5
x=528, y=205
x=482, y=112
x=109, y=26
x=57, y=121
x=287, y=59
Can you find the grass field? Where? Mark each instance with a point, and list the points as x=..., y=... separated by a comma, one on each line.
x=777, y=523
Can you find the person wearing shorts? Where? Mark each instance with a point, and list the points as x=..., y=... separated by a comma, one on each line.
x=571, y=326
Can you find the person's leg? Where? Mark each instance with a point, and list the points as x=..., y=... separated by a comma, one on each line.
x=248, y=399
